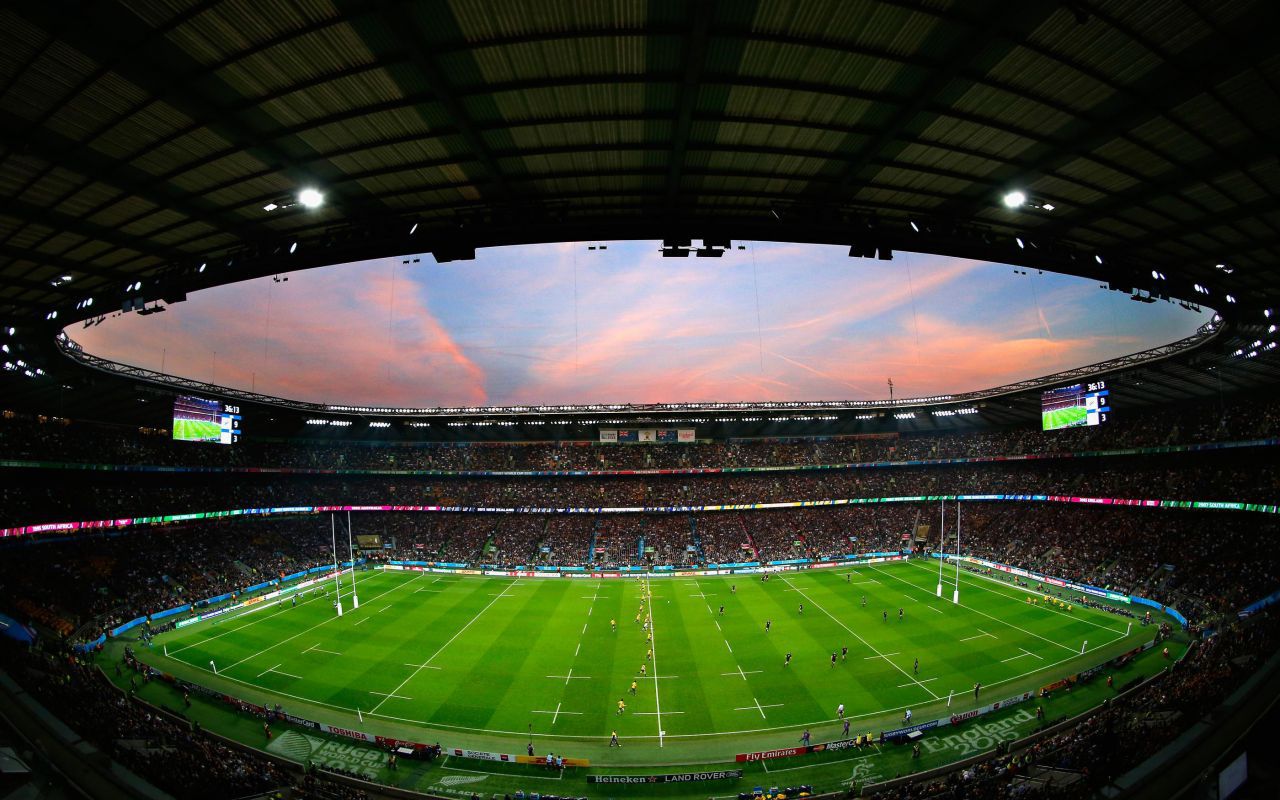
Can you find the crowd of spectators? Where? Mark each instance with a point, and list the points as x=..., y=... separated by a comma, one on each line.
x=1205, y=563
x=169, y=752
x=34, y=496
x=55, y=439
x=1077, y=762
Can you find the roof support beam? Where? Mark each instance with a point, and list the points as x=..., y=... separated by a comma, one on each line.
x=694, y=57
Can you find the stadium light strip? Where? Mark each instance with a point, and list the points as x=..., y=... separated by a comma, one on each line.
x=126, y=522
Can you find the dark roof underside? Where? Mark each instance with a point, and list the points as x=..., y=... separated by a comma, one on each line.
x=137, y=133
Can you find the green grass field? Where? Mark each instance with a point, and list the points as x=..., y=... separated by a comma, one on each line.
x=1064, y=418
x=489, y=663
x=196, y=430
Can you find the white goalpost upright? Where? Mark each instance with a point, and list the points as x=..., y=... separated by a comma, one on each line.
x=942, y=541
x=955, y=596
x=337, y=584
x=355, y=601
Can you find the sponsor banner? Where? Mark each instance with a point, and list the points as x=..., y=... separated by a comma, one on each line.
x=647, y=435
x=831, y=747
x=482, y=755
x=130, y=625
x=1059, y=684
x=1089, y=673
x=169, y=612
x=956, y=719
x=676, y=777
x=923, y=726
x=761, y=755
x=350, y=734
x=390, y=743
x=685, y=435
x=306, y=723
x=608, y=436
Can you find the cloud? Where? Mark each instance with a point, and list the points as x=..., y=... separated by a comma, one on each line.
x=560, y=324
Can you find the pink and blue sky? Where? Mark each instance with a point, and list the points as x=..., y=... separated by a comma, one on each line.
x=559, y=323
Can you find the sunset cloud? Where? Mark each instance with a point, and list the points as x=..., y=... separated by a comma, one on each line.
x=561, y=324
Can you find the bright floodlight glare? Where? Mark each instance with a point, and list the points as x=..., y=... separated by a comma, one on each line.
x=270, y=207
x=311, y=198
x=914, y=226
x=293, y=248
x=1048, y=206
x=1014, y=199
x=414, y=228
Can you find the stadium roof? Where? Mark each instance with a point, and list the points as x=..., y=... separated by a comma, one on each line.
x=141, y=140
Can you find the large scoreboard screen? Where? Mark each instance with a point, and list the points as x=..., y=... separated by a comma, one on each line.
x=196, y=419
x=1075, y=406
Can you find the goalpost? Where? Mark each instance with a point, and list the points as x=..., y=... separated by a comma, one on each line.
x=942, y=542
x=337, y=583
x=355, y=600
x=955, y=596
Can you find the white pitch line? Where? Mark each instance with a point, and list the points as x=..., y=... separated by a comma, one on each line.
x=1015, y=658
x=726, y=644
x=981, y=634
x=316, y=648
x=584, y=627
x=653, y=647
x=384, y=608
x=864, y=641
x=655, y=713
x=571, y=677
x=912, y=599
x=398, y=696
x=175, y=651
x=1069, y=615
x=438, y=652
x=1033, y=655
x=926, y=680
x=422, y=666
x=437, y=591
x=985, y=614
x=743, y=674
x=576, y=649
x=556, y=714
x=758, y=707
x=886, y=655
x=936, y=610
x=268, y=669
x=286, y=674
x=717, y=622
x=313, y=627
x=361, y=622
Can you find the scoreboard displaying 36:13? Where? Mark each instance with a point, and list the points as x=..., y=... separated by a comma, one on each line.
x=1075, y=406
x=196, y=419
